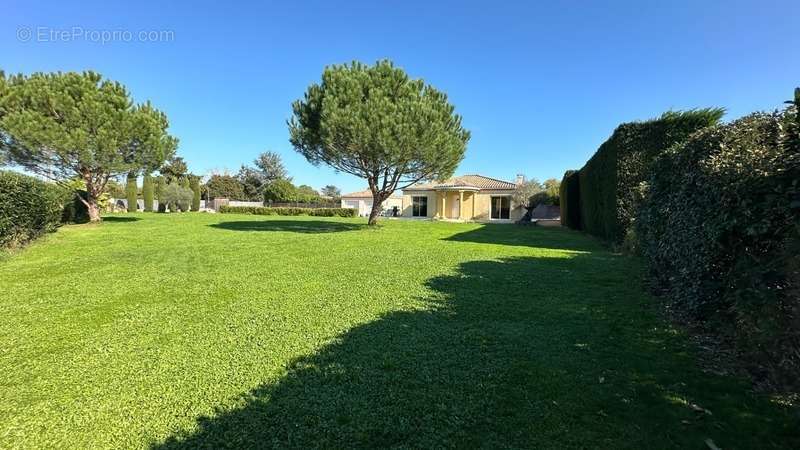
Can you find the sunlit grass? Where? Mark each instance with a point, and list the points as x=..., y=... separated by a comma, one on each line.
x=202, y=330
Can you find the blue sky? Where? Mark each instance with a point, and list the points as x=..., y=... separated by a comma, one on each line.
x=540, y=86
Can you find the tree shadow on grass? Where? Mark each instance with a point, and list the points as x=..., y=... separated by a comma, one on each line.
x=521, y=352
x=295, y=226
x=528, y=236
x=113, y=219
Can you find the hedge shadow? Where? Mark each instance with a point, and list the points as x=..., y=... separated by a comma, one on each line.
x=497, y=359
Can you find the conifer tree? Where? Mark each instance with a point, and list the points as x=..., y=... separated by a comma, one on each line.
x=130, y=192
x=376, y=123
x=147, y=192
x=66, y=125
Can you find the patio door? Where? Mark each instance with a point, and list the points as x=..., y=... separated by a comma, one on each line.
x=455, y=209
x=501, y=208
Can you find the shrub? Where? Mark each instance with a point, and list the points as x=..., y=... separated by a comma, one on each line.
x=160, y=185
x=569, y=193
x=130, y=192
x=148, y=190
x=719, y=230
x=75, y=211
x=265, y=211
x=177, y=198
x=611, y=181
x=194, y=185
x=28, y=208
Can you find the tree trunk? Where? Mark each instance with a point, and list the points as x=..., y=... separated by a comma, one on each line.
x=375, y=212
x=92, y=208
x=92, y=192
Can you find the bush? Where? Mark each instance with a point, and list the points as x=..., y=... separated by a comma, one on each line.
x=148, y=191
x=569, y=193
x=130, y=193
x=611, y=181
x=176, y=198
x=265, y=211
x=28, y=208
x=160, y=185
x=719, y=230
x=75, y=211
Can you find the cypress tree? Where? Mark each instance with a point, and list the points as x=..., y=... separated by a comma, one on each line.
x=147, y=192
x=130, y=192
x=194, y=183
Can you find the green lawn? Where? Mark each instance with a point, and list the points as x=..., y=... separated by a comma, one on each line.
x=199, y=330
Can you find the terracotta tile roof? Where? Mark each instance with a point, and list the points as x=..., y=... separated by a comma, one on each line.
x=467, y=181
x=366, y=193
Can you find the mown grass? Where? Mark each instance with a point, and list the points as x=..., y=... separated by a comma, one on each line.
x=194, y=330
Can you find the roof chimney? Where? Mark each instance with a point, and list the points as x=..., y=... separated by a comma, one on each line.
x=520, y=179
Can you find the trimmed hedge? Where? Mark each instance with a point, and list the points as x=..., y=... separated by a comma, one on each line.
x=28, y=208
x=570, y=198
x=265, y=211
x=719, y=230
x=611, y=181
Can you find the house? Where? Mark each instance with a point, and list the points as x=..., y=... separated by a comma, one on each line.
x=362, y=202
x=464, y=198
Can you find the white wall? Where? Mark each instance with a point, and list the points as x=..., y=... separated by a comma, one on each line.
x=364, y=205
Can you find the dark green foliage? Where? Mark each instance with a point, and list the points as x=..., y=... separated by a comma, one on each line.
x=28, y=208
x=148, y=191
x=177, y=198
x=130, y=192
x=174, y=169
x=194, y=185
x=598, y=203
x=719, y=230
x=225, y=186
x=611, y=182
x=281, y=191
x=264, y=211
x=570, y=200
x=75, y=210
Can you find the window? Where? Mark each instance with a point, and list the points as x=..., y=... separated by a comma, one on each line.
x=501, y=207
x=419, y=206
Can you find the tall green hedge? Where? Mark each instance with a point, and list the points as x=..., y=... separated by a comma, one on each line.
x=611, y=182
x=194, y=185
x=569, y=193
x=719, y=231
x=130, y=192
x=28, y=208
x=598, y=181
x=148, y=192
